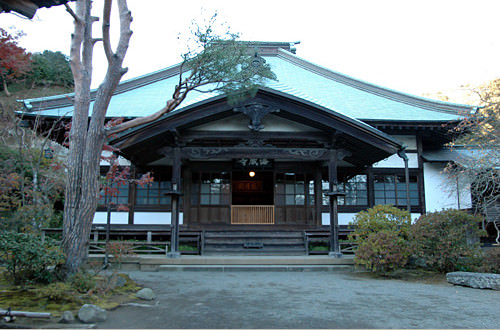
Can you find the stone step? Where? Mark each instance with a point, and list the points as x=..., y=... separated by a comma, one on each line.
x=266, y=241
x=245, y=260
x=257, y=268
x=253, y=234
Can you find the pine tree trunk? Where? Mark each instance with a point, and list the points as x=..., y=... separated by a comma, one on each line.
x=86, y=139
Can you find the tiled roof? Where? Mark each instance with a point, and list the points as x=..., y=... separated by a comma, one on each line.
x=297, y=77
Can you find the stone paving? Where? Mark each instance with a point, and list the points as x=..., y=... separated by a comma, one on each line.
x=309, y=299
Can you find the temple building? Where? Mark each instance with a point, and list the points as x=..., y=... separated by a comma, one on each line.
x=308, y=152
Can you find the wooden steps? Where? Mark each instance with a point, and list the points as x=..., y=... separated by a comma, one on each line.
x=253, y=243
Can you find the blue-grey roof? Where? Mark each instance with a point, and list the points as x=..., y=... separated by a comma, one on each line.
x=465, y=156
x=295, y=76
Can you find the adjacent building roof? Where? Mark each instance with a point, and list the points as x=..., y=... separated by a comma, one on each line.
x=465, y=156
x=295, y=76
x=28, y=8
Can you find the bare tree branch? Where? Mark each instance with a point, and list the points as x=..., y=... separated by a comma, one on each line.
x=71, y=12
x=105, y=29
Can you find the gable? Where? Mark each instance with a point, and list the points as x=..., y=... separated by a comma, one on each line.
x=241, y=123
x=269, y=123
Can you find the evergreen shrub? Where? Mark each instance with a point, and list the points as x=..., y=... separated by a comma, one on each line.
x=28, y=260
x=447, y=240
x=381, y=233
x=490, y=262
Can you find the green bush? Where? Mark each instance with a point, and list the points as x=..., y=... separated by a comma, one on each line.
x=381, y=218
x=490, y=261
x=59, y=292
x=447, y=240
x=383, y=252
x=382, y=233
x=27, y=259
x=83, y=281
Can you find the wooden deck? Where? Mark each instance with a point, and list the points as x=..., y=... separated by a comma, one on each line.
x=234, y=263
x=223, y=240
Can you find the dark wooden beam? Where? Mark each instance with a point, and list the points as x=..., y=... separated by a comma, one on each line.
x=249, y=152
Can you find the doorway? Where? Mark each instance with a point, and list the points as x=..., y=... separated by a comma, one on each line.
x=252, y=198
x=253, y=190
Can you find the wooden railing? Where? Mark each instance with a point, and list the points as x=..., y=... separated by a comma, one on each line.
x=252, y=214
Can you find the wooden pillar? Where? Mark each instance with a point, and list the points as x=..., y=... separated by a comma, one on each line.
x=420, y=181
x=174, y=199
x=318, y=194
x=333, y=194
x=131, y=195
x=188, y=178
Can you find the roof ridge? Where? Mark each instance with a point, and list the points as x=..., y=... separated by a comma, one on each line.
x=406, y=98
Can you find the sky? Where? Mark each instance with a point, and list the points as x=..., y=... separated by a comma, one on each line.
x=415, y=47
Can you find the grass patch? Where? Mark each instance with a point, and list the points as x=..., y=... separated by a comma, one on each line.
x=187, y=247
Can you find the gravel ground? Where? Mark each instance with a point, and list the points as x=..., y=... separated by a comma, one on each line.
x=266, y=299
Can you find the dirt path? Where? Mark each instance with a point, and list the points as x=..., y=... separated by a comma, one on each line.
x=302, y=300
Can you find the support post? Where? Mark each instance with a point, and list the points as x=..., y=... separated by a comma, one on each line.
x=131, y=195
x=175, y=194
x=333, y=194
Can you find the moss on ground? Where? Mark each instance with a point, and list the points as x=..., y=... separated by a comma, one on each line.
x=55, y=298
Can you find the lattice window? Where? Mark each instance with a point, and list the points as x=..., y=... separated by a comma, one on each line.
x=118, y=195
x=355, y=189
x=211, y=188
x=294, y=189
x=391, y=189
x=154, y=193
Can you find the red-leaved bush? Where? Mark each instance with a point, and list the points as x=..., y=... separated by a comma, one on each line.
x=383, y=252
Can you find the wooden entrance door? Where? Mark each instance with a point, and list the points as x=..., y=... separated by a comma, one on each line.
x=252, y=197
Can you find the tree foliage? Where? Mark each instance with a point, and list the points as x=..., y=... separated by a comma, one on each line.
x=31, y=180
x=14, y=60
x=215, y=63
x=50, y=68
x=479, y=135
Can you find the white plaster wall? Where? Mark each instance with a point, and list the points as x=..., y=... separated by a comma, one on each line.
x=441, y=191
x=396, y=162
x=140, y=218
x=116, y=217
x=344, y=218
x=410, y=141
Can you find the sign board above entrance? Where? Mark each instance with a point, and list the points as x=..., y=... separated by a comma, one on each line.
x=253, y=164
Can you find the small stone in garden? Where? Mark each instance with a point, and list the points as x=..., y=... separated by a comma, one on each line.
x=145, y=294
x=67, y=317
x=91, y=313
